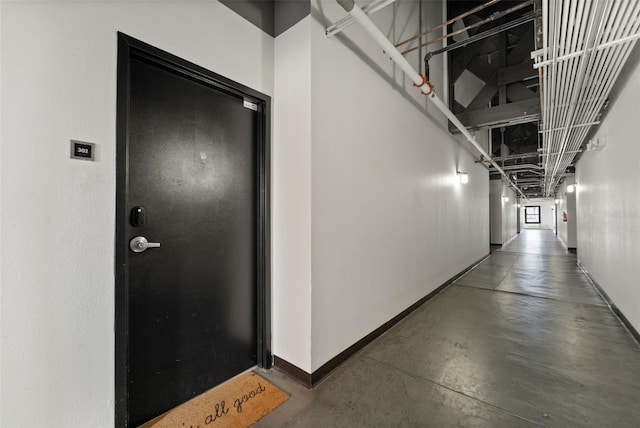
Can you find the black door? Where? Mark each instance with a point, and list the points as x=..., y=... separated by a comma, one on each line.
x=194, y=185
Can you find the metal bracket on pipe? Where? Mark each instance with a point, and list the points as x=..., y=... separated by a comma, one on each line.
x=538, y=52
x=579, y=125
x=575, y=54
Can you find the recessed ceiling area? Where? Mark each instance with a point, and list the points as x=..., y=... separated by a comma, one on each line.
x=501, y=36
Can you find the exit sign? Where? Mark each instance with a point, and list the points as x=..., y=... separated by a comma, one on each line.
x=82, y=150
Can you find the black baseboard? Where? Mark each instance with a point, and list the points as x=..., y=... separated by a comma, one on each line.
x=294, y=372
x=612, y=305
x=312, y=379
x=626, y=323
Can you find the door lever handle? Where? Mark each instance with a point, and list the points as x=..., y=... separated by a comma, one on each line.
x=140, y=244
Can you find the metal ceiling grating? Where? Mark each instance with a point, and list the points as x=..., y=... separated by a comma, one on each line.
x=585, y=45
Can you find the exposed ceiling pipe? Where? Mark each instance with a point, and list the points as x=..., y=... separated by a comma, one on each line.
x=419, y=81
x=521, y=166
x=580, y=125
x=586, y=63
x=566, y=151
x=578, y=53
x=491, y=18
x=515, y=157
x=450, y=21
x=529, y=181
x=371, y=7
x=579, y=71
x=481, y=36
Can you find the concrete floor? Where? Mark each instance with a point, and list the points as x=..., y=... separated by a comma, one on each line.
x=521, y=340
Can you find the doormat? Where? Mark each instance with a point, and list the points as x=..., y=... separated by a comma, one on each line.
x=238, y=403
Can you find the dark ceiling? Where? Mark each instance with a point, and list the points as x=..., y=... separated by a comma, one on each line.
x=506, y=98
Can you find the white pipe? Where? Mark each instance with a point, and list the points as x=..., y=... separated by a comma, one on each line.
x=445, y=55
x=551, y=50
x=608, y=72
x=551, y=93
x=551, y=154
x=580, y=125
x=565, y=68
x=607, y=62
x=347, y=21
x=593, y=35
x=569, y=115
x=619, y=30
x=597, y=48
x=361, y=18
x=546, y=105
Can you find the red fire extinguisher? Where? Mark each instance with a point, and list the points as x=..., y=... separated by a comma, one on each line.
x=564, y=216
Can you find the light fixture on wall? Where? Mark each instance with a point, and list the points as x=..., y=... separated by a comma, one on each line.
x=518, y=205
x=557, y=201
x=464, y=177
x=597, y=143
x=571, y=188
x=505, y=198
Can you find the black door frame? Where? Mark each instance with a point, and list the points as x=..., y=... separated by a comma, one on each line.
x=129, y=47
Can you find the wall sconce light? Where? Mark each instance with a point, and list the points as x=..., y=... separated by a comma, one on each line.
x=505, y=198
x=464, y=177
x=571, y=188
x=557, y=201
x=518, y=205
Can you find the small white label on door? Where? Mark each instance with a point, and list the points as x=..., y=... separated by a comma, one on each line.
x=250, y=105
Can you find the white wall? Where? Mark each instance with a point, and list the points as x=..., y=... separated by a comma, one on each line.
x=375, y=206
x=503, y=214
x=1, y=210
x=495, y=211
x=608, y=204
x=567, y=230
x=546, y=214
x=291, y=315
x=58, y=65
x=509, y=215
x=390, y=222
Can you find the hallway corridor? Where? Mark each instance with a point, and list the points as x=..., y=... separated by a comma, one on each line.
x=521, y=340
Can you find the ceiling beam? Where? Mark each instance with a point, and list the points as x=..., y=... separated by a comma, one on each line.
x=482, y=98
x=522, y=51
x=461, y=61
x=483, y=70
x=517, y=73
x=512, y=157
x=519, y=92
x=506, y=114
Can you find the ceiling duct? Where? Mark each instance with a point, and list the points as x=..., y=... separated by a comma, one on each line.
x=585, y=45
